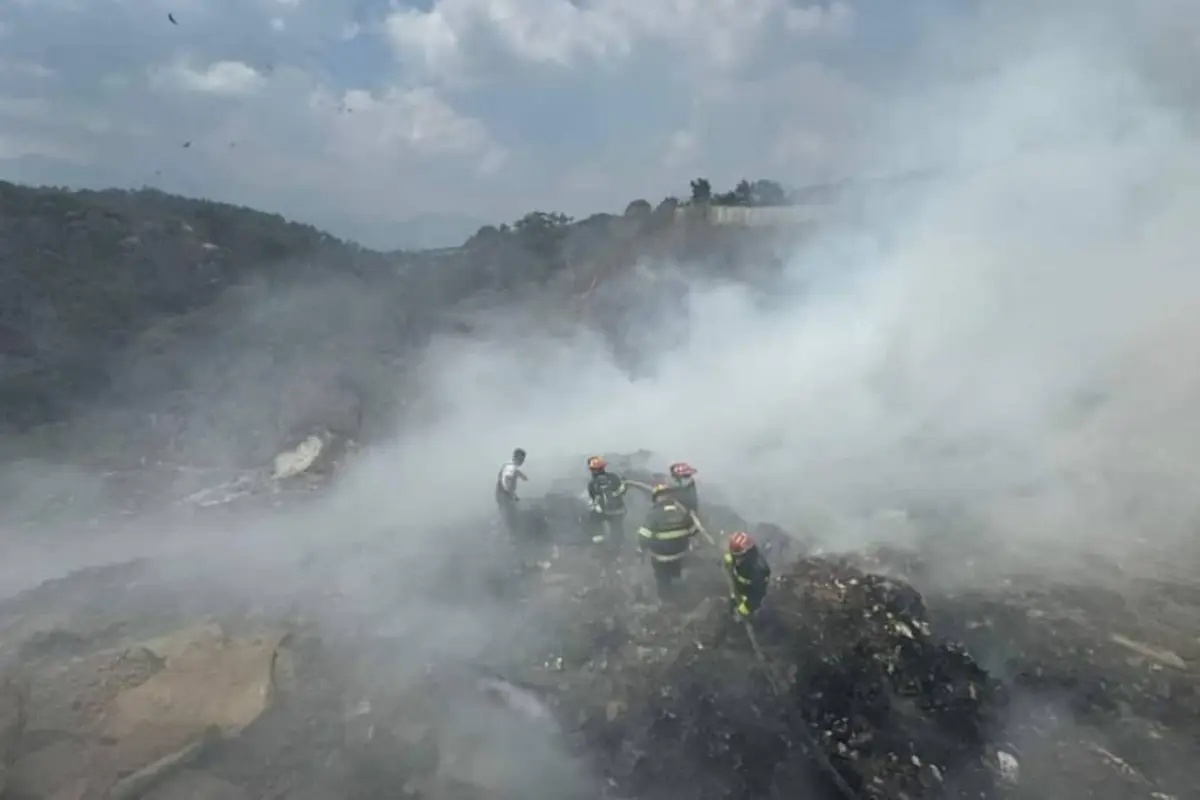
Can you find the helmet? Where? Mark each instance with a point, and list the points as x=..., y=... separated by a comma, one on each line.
x=682, y=469
x=659, y=491
x=519, y=455
x=596, y=463
x=741, y=543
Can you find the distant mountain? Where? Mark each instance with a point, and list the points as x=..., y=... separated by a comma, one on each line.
x=35, y=170
x=233, y=326
x=431, y=231
x=422, y=232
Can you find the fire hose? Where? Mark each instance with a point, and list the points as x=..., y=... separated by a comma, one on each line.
x=819, y=755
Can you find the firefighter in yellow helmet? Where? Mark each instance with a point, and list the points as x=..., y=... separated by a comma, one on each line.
x=666, y=536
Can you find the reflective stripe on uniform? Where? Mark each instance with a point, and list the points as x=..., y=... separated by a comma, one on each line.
x=675, y=557
x=665, y=536
x=681, y=533
x=737, y=576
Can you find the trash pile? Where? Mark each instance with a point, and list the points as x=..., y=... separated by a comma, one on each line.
x=852, y=696
x=1110, y=672
x=576, y=677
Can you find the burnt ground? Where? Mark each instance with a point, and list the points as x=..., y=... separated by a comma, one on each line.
x=1107, y=682
x=1028, y=689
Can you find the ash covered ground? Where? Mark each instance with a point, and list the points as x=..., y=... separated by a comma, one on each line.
x=168, y=678
x=995, y=353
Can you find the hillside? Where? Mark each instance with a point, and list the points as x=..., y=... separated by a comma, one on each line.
x=250, y=635
x=106, y=296
x=550, y=669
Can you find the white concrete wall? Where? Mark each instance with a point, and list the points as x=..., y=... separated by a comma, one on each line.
x=765, y=217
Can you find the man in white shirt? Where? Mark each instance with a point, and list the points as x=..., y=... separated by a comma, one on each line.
x=506, y=490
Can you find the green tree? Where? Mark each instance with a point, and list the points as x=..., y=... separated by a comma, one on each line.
x=761, y=192
x=540, y=221
x=638, y=209
x=701, y=190
x=487, y=236
x=663, y=215
x=743, y=193
x=768, y=193
x=542, y=234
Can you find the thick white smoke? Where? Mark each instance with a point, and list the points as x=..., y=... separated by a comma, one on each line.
x=1015, y=341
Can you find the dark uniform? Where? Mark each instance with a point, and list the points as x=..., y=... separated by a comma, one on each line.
x=606, y=490
x=666, y=535
x=751, y=575
x=684, y=489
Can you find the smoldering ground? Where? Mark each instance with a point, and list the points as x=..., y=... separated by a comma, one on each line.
x=1013, y=352
x=1010, y=343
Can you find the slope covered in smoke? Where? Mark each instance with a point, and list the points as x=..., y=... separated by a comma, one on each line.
x=1004, y=353
x=1009, y=344
x=110, y=295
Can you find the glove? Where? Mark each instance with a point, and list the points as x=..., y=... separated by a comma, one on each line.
x=740, y=610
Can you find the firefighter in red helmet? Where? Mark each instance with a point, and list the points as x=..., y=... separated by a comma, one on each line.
x=606, y=495
x=683, y=483
x=749, y=574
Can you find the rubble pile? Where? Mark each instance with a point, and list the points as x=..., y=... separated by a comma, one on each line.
x=851, y=681
x=146, y=680
x=1112, y=674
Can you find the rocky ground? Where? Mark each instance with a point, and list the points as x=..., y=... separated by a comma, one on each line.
x=137, y=680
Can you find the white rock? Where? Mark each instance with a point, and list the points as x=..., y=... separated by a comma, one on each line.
x=1010, y=768
x=293, y=462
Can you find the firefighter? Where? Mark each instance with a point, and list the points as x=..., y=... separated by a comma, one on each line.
x=606, y=491
x=749, y=574
x=666, y=537
x=506, y=490
x=683, y=483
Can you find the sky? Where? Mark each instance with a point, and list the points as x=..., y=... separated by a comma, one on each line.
x=1013, y=346
x=357, y=114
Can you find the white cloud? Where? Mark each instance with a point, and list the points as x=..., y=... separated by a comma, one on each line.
x=17, y=145
x=25, y=69
x=341, y=107
x=375, y=127
x=26, y=107
x=428, y=35
x=493, y=107
x=837, y=19
x=802, y=145
x=682, y=149
x=722, y=33
x=231, y=78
